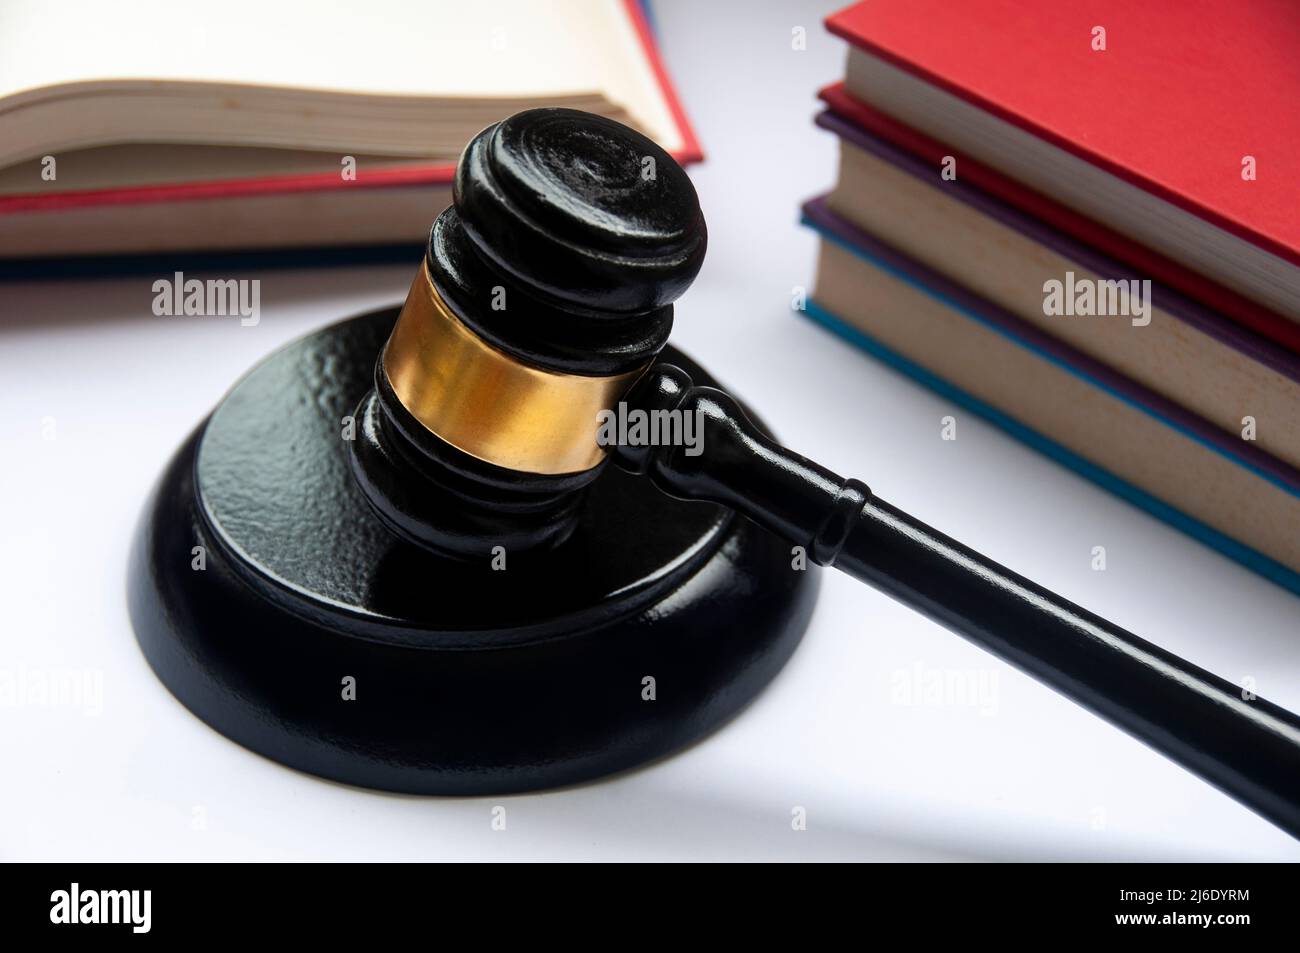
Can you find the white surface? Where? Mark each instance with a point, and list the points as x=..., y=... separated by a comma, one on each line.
x=1033, y=778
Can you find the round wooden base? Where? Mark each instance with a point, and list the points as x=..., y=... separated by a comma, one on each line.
x=274, y=605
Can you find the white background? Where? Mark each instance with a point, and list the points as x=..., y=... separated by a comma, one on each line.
x=1029, y=777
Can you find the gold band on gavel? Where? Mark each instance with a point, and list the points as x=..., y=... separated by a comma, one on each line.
x=488, y=403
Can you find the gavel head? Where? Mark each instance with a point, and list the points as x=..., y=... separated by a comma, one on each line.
x=545, y=292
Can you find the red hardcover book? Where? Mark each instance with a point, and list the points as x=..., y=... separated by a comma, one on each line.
x=1174, y=126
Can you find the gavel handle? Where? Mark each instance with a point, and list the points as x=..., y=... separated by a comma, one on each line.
x=1243, y=745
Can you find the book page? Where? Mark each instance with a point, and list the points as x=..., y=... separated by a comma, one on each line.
x=448, y=49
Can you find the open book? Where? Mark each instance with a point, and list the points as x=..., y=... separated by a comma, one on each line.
x=162, y=125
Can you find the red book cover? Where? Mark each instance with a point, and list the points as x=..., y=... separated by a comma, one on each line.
x=432, y=174
x=1184, y=89
x=1245, y=312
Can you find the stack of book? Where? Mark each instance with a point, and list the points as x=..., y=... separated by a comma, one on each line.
x=309, y=135
x=1082, y=222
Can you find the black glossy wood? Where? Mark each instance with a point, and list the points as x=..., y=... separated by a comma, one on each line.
x=435, y=496
x=470, y=680
x=326, y=557
x=542, y=332
x=586, y=231
x=581, y=210
x=570, y=237
x=1248, y=748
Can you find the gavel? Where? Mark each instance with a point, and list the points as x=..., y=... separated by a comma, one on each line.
x=543, y=308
